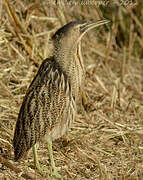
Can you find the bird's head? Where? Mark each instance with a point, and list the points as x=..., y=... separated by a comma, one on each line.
x=76, y=29
x=68, y=37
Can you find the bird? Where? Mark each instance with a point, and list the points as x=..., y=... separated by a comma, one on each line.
x=50, y=104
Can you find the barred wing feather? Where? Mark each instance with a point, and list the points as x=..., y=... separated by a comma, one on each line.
x=48, y=108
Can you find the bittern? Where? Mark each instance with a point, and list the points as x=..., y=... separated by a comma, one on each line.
x=49, y=107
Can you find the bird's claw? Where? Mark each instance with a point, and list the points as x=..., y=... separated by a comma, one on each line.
x=43, y=171
x=56, y=174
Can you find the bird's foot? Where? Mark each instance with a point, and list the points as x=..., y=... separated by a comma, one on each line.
x=56, y=174
x=44, y=171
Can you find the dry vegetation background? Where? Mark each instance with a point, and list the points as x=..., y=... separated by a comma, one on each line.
x=106, y=141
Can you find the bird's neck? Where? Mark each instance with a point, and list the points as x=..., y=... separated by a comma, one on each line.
x=71, y=62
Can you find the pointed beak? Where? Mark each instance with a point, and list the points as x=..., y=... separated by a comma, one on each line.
x=92, y=24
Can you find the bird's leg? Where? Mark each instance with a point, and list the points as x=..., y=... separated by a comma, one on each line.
x=37, y=165
x=55, y=173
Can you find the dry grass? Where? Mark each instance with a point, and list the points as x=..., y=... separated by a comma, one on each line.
x=106, y=141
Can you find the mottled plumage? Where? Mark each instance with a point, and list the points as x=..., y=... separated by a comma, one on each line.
x=49, y=106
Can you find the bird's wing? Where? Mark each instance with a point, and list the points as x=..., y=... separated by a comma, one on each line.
x=45, y=105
